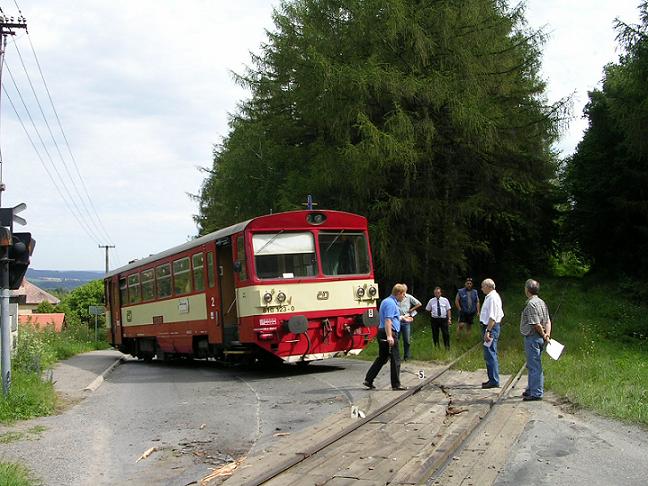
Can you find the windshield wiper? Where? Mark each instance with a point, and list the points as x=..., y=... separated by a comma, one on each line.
x=268, y=242
x=334, y=240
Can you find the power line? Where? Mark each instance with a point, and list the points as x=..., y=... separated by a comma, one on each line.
x=49, y=156
x=56, y=145
x=67, y=143
x=49, y=174
x=98, y=225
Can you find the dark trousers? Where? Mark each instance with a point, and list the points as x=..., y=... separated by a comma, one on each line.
x=441, y=323
x=386, y=353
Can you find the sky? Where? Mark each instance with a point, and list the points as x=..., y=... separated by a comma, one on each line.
x=143, y=90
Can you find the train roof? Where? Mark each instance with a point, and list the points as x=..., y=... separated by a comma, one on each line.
x=267, y=221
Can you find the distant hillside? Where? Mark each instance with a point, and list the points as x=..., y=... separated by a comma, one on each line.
x=61, y=279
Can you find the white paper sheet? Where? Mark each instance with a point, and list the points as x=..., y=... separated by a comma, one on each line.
x=554, y=349
x=488, y=344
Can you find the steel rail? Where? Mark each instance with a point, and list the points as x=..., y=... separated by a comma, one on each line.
x=432, y=471
x=314, y=449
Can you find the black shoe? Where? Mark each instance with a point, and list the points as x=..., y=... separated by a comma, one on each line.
x=526, y=393
x=531, y=398
x=371, y=386
x=399, y=388
x=488, y=384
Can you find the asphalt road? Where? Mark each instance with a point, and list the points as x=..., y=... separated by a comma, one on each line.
x=193, y=416
x=196, y=415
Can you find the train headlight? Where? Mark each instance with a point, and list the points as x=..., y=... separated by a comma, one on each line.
x=281, y=297
x=373, y=291
x=360, y=292
x=267, y=297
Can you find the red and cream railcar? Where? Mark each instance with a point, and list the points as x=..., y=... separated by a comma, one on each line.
x=298, y=285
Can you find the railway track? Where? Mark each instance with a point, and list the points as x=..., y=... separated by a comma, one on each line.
x=411, y=438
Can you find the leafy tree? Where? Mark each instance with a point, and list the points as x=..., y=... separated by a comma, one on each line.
x=77, y=302
x=427, y=117
x=45, y=307
x=607, y=177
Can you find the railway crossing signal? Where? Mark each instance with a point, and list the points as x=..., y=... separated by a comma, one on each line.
x=19, y=252
x=15, y=250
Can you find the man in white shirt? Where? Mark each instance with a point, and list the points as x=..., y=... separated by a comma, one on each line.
x=490, y=318
x=441, y=311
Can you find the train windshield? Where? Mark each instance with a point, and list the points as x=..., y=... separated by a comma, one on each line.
x=344, y=253
x=284, y=255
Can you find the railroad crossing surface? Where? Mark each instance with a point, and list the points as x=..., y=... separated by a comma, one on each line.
x=446, y=432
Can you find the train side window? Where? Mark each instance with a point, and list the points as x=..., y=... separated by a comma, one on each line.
x=211, y=275
x=163, y=275
x=240, y=256
x=148, y=284
x=198, y=271
x=133, y=288
x=181, y=276
x=123, y=291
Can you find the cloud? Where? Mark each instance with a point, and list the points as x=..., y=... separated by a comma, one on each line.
x=143, y=90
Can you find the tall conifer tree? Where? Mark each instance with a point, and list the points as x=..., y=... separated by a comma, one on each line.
x=607, y=177
x=426, y=116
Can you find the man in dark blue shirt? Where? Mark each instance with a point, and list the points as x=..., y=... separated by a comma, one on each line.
x=467, y=303
x=390, y=319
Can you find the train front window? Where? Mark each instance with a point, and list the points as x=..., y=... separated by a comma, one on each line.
x=344, y=253
x=284, y=255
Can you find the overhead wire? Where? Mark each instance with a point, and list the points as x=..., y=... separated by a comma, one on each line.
x=67, y=144
x=96, y=222
x=49, y=156
x=47, y=171
x=81, y=199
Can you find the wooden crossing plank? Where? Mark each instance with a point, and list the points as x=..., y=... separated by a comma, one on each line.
x=415, y=435
x=482, y=459
x=431, y=458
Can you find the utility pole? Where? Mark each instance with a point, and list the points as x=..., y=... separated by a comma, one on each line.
x=106, y=247
x=7, y=26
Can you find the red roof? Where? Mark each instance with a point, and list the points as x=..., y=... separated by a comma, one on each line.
x=41, y=321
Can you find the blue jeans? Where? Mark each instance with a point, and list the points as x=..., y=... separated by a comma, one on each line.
x=533, y=350
x=490, y=355
x=406, y=332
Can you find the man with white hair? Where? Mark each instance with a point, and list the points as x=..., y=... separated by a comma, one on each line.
x=490, y=317
x=535, y=326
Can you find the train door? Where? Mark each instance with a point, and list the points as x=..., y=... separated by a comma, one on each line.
x=115, y=309
x=214, y=315
x=227, y=291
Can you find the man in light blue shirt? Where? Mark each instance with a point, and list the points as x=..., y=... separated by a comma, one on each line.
x=390, y=322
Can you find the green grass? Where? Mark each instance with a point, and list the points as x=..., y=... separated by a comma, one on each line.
x=30, y=434
x=30, y=395
x=604, y=367
x=15, y=475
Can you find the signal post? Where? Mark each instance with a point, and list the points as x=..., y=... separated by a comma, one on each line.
x=15, y=250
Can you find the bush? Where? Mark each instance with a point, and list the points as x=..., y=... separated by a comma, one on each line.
x=36, y=351
x=33, y=354
x=568, y=264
